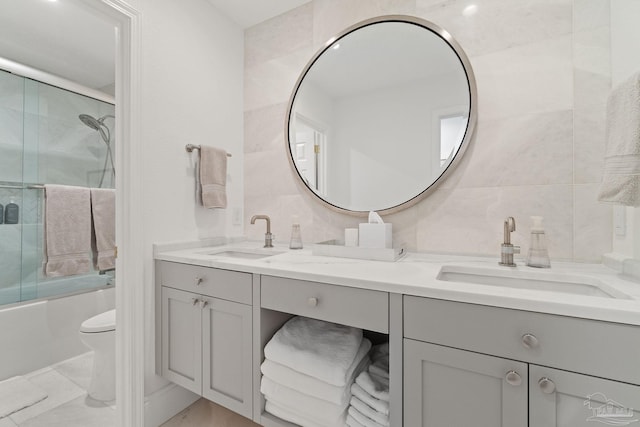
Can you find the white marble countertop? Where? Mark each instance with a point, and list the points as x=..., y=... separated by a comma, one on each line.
x=416, y=274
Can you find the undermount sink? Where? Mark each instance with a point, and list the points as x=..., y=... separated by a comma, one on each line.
x=244, y=254
x=540, y=281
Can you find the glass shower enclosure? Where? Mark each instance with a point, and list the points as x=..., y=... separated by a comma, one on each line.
x=43, y=141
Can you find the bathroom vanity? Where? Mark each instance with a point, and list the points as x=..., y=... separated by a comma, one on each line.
x=463, y=350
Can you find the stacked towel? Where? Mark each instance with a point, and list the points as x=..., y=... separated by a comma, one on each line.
x=621, y=178
x=369, y=404
x=308, y=371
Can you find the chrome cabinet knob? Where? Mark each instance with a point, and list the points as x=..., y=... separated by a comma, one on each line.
x=203, y=303
x=194, y=301
x=546, y=385
x=513, y=378
x=199, y=281
x=312, y=302
x=530, y=341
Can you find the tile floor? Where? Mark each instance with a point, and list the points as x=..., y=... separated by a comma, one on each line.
x=67, y=404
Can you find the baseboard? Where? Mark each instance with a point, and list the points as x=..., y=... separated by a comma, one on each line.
x=163, y=404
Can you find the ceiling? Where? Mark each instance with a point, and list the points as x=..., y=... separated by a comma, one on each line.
x=247, y=13
x=68, y=39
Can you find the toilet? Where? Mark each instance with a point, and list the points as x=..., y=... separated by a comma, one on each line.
x=99, y=334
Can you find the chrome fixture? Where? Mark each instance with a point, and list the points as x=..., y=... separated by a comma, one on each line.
x=268, y=237
x=105, y=133
x=507, y=249
x=190, y=147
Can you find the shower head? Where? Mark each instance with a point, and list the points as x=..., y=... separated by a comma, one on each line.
x=97, y=124
x=90, y=121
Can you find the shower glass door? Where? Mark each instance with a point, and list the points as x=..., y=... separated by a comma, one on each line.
x=42, y=141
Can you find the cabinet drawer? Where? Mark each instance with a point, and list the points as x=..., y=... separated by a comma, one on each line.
x=609, y=350
x=225, y=284
x=360, y=308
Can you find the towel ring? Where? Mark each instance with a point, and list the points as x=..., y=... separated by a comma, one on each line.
x=191, y=147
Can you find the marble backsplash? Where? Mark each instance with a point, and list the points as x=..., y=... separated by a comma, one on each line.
x=543, y=73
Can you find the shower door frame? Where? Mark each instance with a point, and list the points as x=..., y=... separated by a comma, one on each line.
x=130, y=303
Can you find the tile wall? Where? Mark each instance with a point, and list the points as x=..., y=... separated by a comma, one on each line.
x=543, y=73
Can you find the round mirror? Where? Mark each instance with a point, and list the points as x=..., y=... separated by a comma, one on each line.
x=381, y=114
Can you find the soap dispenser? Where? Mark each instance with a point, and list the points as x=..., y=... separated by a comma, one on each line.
x=296, y=236
x=11, y=212
x=538, y=254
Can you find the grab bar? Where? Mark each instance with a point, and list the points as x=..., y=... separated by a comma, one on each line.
x=22, y=187
x=191, y=147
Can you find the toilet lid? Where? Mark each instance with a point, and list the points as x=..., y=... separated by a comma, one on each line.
x=103, y=322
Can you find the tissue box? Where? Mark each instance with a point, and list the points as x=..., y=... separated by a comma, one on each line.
x=375, y=235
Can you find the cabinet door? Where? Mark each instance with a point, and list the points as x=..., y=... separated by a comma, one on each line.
x=444, y=386
x=182, y=339
x=566, y=399
x=227, y=352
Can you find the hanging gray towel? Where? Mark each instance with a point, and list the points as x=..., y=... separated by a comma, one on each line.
x=212, y=174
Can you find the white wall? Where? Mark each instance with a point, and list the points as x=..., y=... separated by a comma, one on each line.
x=625, y=60
x=191, y=92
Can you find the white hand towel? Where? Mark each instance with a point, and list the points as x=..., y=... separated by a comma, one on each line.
x=621, y=177
x=314, y=409
x=365, y=421
x=212, y=176
x=369, y=412
x=351, y=422
x=288, y=415
x=103, y=209
x=319, y=349
x=313, y=386
x=377, y=404
x=373, y=386
x=67, y=230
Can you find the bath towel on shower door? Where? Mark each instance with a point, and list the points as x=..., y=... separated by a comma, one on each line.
x=67, y=230
x=103, y=205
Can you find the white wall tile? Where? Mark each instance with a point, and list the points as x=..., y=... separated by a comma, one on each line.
x=593, y=233
x=530, y=150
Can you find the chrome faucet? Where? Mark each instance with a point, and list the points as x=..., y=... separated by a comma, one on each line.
x=268, y=237
x=507, y=249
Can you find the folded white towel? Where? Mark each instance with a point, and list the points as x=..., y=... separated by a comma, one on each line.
x=314, y=409
x=313, y=386
x=67, y=230
x=364, y=421
x=381, y=406
x=381, y=372
x=351, y=422
x=369, y=412
x=621, y=177
x=288, y=415
x=373, y=386
x=212, y=176
x=103, y=210
x=380, y=352
x=319, y=349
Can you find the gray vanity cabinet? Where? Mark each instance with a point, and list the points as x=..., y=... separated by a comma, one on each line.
x=445, y=386
x=566, y=399
x=490, y=366
x=206, y=340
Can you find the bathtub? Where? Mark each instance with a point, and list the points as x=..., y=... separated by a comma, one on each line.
x=38, y=333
